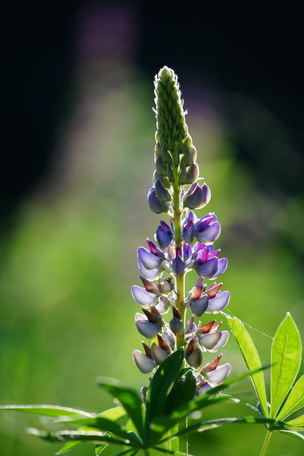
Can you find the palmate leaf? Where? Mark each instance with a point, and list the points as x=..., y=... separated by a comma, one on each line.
x=286, y=360
x=164, y=423
x=295, y=434
x=251, y=358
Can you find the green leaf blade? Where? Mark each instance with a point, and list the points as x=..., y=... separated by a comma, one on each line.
x=286, y=354
x=129, y=398
x=48, y=410
x=294, y=401
x=252, y=359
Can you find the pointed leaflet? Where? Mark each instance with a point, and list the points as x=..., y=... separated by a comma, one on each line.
x=162, y=382
x=294, y=401
x=251, y=358
x=286, y=360
x=48, y=410
x=296, y=423
x=129, y=399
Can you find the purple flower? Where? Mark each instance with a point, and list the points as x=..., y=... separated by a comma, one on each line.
x=207, y=229
x=163, y=235
x=206, y=262
x=154, y=203
x=218, y=303
x=178, y=265
x=143, y=362
x=144, y=297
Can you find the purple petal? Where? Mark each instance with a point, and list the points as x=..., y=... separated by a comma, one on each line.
x=166, y=227
x=206, y=194
x=208, y=269
x=210, y=340
x=188, y=232
x=159, y=355
x=218, y=303
x=222, y=342
x=197, y=247
x=220, y=374
x=222, y=266
x=143, y=362
x=187, y=252
x=148, y=259
x=163, y=238
x=209, y=234
x=178, y=265
x=148, y=273
x=154, y=249
x=144, y=297
x=154, y=203
x=199, y=306
x=147, y=329
x=176, y=325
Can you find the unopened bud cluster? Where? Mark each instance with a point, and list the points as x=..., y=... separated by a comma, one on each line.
x=184, y=244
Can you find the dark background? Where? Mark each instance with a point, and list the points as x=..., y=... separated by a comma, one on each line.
x=255, y=49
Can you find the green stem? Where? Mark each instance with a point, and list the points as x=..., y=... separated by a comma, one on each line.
x=266, y=443
x=180, y=291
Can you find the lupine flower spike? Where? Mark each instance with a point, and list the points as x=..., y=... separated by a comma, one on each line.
x=183, y=243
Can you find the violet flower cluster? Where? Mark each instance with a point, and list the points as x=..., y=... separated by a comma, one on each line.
x=183, y=244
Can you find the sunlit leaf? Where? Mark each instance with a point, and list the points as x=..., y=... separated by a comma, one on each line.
x=286, y=360
x=129, y=398
x=78, y=435
x=183, y=391
x=294, y=401
x=297, y=422
x=251, y=358
x=48, y=410
x=295, y=434
x=67, y=447
x=100, y=448
x=162, y=382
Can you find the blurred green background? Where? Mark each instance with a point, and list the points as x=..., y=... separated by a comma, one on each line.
x=73, y=202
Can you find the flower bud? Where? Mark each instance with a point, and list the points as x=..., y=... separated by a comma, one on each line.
x=194, y=196
x=206, y=195
x=165, y=155
x=163, y=236
x=182, y=180
x=154, y=203
x=188, y=232
x=192, y=173
x=170, y=173
x=176, y=325
x=165, y=286
x=160, y=166
x=147, y=258
x=161, y=192
x=178, y=265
